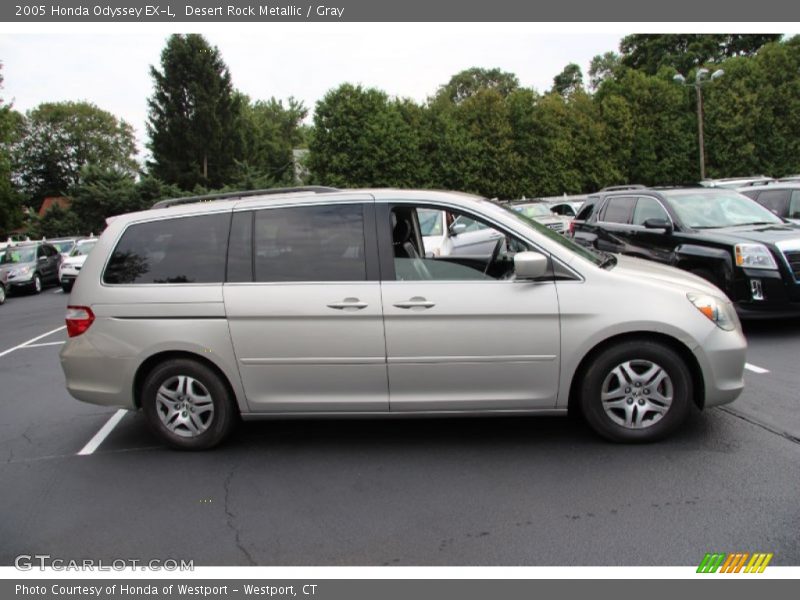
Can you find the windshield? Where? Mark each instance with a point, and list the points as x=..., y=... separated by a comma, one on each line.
x=65, y=246
x=699, y=209
x=430, y=221
x=533, y=210
x=557, y=237
x=19, y=255
x=83, y=248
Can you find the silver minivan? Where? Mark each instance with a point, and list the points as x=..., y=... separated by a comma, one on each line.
x=317, y=303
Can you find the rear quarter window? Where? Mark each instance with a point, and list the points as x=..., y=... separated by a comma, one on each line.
x=586, y=211
x=180, y=250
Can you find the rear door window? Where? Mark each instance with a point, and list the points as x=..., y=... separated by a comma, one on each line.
x=310, y=243
x=618, y=210
x=180, y=250
x=774, y=200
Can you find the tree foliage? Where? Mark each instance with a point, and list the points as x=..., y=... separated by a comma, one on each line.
x=195, y=120
x=59, y=139
x=361, y=138
x=467, y=83
x=687, y=51
x=271, y=130
x=10, y=199
x=568, y=81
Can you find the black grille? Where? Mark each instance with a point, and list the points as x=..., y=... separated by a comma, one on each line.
x=793, y=258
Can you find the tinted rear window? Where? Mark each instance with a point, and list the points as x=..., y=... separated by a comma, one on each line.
x=183, y=250
x=618, y=210
x=310, y=243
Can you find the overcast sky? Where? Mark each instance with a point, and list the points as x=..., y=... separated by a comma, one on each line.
x=304, y=61
x=108, y=65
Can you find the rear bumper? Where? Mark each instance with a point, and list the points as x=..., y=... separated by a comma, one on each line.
x=96, y=377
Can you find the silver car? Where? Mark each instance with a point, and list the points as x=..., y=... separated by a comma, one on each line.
x=325, y=304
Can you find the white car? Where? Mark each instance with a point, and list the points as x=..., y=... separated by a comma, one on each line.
x=71, y=266
x=462, y=236
x=541, y=213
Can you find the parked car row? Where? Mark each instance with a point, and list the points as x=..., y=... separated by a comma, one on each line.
x=30, y=266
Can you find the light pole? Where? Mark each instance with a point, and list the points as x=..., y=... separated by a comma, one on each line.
x=700, y=79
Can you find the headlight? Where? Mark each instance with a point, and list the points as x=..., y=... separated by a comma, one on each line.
x=21, y=271
x=754, y=256
x=720, y=312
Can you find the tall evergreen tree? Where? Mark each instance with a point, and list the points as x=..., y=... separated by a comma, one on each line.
x=194, y=120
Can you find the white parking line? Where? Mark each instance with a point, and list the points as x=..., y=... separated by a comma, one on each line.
x=30, y=341
x=42, y=345
x=755, y=369
x=58, y=291
x=101, y=435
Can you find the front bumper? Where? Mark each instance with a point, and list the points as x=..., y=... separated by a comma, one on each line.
x=763, y=294
x=721, y=356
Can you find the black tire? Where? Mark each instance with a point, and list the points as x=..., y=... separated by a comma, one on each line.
x=639, y=356
x=36, y=285
x=66, y=287
x=178, y=435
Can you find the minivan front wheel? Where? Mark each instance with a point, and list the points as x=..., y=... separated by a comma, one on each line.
x=187, y=404
x=636, y=391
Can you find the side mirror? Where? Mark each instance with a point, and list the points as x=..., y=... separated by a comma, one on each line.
x=656, y=223
x=530, y=265
x=457, y=228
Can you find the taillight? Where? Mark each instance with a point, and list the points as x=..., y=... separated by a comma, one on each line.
x=571, y=228
x=79, y=319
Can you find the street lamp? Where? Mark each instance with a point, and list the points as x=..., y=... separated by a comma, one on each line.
x=700, y=79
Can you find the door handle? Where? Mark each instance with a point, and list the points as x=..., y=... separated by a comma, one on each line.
x=415, y=302
x=348, y=304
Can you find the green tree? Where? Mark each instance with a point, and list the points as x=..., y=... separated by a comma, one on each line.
x=104, y=193
x=752, y=114
x=684, y=51
x=194, y=121
x=59, y=222
x=651, y=116
x=568, y=81
x=271, y=132
x=466, y=83
x=361, y=138
x=602, y=67
x=60, y=139
x=10, y=199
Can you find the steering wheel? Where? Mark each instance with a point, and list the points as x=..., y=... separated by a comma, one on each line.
x=495, y=254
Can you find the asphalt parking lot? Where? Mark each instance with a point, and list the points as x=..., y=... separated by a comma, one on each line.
x=80, y=481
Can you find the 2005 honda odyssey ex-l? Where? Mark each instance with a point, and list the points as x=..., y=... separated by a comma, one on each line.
x=321, y=302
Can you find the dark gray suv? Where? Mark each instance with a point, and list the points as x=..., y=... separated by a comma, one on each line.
x=30, y=266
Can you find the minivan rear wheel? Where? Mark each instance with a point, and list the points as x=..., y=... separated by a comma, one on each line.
x=636, y=391
x=187, y=404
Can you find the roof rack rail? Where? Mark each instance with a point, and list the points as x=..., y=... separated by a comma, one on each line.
x=619, y=188
x=317, y=189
